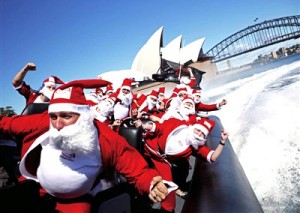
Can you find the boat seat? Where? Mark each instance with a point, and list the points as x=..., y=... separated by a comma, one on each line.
x=132, y=134
x=35, y=108
x=9, y=162
x=21, y=197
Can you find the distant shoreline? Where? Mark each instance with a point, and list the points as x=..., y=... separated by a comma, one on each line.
x=208, y=82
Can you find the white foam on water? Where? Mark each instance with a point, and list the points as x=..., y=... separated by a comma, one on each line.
x=264, y=127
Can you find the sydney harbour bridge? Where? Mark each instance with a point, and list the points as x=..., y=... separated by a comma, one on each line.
x=255, y=37
x=171, y=61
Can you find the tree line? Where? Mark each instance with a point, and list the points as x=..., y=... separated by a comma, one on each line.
x=7, y=111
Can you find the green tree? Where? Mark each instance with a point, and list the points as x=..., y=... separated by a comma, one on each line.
x=7, y=111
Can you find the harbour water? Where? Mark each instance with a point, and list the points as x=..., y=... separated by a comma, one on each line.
x=263, y=119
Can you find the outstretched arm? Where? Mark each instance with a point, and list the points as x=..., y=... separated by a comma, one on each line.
x=217, y=152
x=18, y=79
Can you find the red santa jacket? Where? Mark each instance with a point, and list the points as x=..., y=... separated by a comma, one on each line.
x=159, y=139
x=116, y=153
x=205, y=107
x=29, y=94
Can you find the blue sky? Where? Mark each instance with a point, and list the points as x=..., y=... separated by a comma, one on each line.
x=77, y=39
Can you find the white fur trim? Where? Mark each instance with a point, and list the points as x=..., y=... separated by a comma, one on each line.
x=22, y=167
x=18, y=87
x=176, y=141
x=208, y=158
x=120, y=111
x=171, y=186
x=66, y=107
x=126, y=87
x=153, y=126
x=49, y=83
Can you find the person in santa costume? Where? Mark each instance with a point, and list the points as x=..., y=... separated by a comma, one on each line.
x=95, y=96
x=177, y=139
x=187, y=78
x=67, y=151
x=109, y=90
x=186, y=111
x=105, y=109
x=178, y=94
x=202, y=107
x=34, y=96
x=125, y=95
x=144, y=104
x=161, y=93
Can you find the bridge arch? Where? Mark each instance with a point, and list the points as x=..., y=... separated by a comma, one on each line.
x=255, y=37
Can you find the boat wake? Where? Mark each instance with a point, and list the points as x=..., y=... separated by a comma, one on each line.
x=262, y=116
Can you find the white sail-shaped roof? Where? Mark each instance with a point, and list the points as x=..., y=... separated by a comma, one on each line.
x=171, y=51
x=148, y=58
x=191, y=51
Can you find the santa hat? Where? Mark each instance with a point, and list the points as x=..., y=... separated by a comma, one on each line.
x=196, y=92
x=126, y=84
x=97, y=90
x=52, y=81
x=109, y=89
x=141, y=99
x=169, y=100
x=153, y=94
x=188, y=99
x=204, y=125
x=161, y=90
x=165, y=102
x=112, y=98
x=70, y=97
x=178, y=88
x=181, y=90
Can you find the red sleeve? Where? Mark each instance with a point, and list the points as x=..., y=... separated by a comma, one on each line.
x=23, y=125
x=203, y=151
x=125, y=159
x=206, y=107
x=133, y=107
x=25, y=90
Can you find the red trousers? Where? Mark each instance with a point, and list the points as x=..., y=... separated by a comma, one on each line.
x=165, y=171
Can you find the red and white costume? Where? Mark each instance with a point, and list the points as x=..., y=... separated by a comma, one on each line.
x=122, y=107
x=64, y=174
x=32, y=96
x=146, y=104
x=199, y=106
x=167, y=143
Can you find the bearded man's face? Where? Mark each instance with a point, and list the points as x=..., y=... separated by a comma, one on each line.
x=73, y=133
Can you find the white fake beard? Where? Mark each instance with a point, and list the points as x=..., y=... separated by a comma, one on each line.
x=197, y=100
x=80, y=138
x=180, y=98
x=120, y=111
x=126, y=99
x=106, y=109
x=151, y=104
x=185, y=112
x=47, y=92
x=97, y=113
x=194, y=140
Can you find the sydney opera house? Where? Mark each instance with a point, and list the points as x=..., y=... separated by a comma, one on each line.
x=154, y=57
